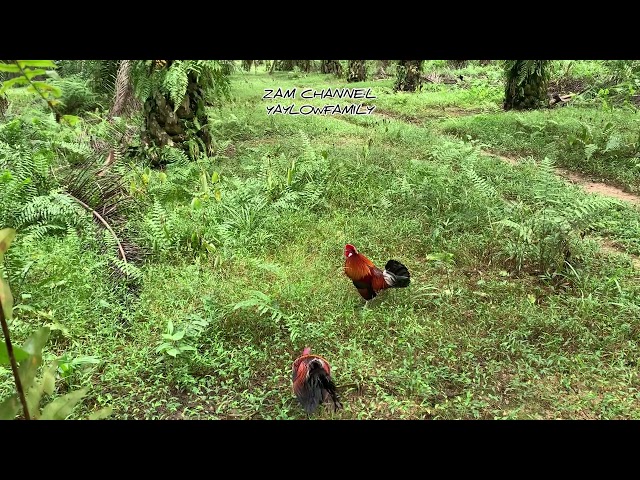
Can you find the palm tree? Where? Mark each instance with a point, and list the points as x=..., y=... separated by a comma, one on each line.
x=284, y=65
x=331, y=66
x=357, y=71
x=175, y=94
x=526, y=84
x=408, y=75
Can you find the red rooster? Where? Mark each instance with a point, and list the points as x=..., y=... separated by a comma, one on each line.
x=369, y=279
x=312, y=382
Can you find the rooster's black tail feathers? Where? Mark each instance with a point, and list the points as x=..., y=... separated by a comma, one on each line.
x=396, y=274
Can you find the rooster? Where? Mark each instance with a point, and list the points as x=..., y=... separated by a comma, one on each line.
x=369, y=279
x=312, y=382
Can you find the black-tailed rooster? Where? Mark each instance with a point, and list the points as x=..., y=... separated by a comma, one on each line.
x=312, y=382
x=369, y=279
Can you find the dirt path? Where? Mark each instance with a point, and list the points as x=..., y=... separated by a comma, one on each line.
x=598, y=187
x=590, y=186
x=587, y=184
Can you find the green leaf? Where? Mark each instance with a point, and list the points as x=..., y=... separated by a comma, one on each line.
x=13, y=81
x=163, y=346
x=9, y=408
x=185, y=348
x=101, y=414
x=37, y=63
x=86, y=359
x=61, y=407
x=196, y=203
x=30, y=73
x=178, y=335
x=215, y=177
x=49, y=381
x=6, y=298
x=19, y=353
x=34, y=394
x=170, y=327
x=71, y=119
x=37, y=341
x=173, y=352
x=203, y=182
x=33, y=346
x=44, y=86
x=6, y=237
x=9, y=67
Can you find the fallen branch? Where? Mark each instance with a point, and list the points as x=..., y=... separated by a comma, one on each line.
x=105, y=223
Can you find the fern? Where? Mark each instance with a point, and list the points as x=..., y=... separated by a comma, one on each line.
x=480, y=184
x=148, y=77
x=549, y=237
x=157, y=222
x=52, y=209
x=296, y=183
x=173, y=155
x=176, y=81
x=130, y=270
x=263, y=304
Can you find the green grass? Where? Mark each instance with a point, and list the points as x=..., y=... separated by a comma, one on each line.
x=601, y=143
x=493, y=324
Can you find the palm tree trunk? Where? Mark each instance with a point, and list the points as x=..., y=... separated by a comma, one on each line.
x=408, y=75
x=124, y=101
x=357, y=71
x=166, y=125
x=526, y=84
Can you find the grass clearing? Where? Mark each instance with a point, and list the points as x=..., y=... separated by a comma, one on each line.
x=514, y=311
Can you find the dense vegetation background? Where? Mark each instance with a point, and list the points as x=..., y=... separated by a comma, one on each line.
x=168, y=248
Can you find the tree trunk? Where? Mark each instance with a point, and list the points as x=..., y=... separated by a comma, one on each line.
x=408, y=75
x=284, y=65
x=331, y=66
x=124, y=101
x=357, y=71
x=526, y=84
x=303, y=65
x=246, y=65
x=457, y=63
x=166, y=125
x=381, y=68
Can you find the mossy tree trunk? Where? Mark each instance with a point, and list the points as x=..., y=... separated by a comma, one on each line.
x=526, y=84
x=303, y=65
x=357, y=71
x=331, y=66
x=167, y=125
x=408, y=75
x=381, y=67
x=284, y=65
